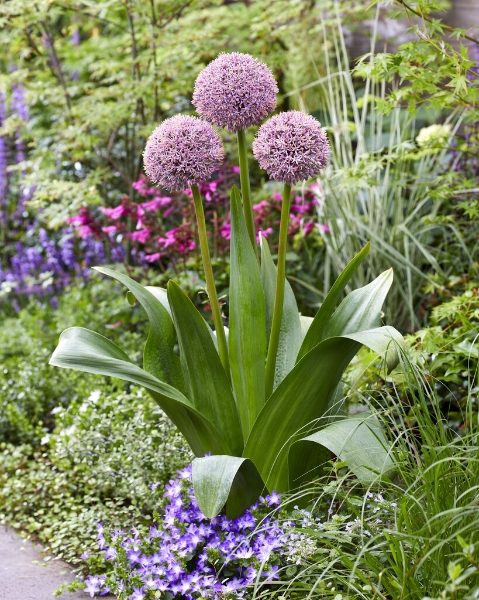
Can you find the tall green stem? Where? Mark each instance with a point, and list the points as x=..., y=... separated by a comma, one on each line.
x=245, y=186
x=279, y=293
x=210, y=279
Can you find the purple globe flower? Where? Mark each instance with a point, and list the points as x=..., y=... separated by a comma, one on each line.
x=235, y=91
x=291, y=147
x=182, y=151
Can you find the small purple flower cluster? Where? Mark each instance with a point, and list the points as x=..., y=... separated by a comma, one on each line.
x=188, y=556
x=51, y=263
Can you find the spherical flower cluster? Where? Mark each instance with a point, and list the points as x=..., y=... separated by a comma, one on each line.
x=435, y=136
x=182, y=151
x=291, y=147
x=235, y=91
x=187, y=556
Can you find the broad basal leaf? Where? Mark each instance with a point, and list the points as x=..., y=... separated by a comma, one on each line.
x=301, y=402
x=315, y=332
x=225, y=480
x=291, y=335
x=247, y=321
x=159, y=357
x=357, y=440
x=161, y=295
x=207, y=383
x=85, y=350
x=361, y=309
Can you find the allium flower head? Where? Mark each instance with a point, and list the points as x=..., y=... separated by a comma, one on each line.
x=291, y=147
x=182, y=151
x=235, y=91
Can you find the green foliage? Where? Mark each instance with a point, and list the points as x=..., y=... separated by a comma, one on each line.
x=98, y=464
x=390, y=181
x=100, y=75
x=29, y=388
x=417, y=536
x=446, y=353
x=448, y=85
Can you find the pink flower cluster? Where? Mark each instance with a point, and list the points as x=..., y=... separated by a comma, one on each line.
x=160, y=229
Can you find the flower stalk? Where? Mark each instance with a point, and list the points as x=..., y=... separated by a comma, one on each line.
x=245, y=186
x=210, y=279
x=279, y=293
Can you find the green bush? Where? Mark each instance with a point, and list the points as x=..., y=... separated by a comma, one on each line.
x=29, y=388
x=446, y=352
x=97, y=465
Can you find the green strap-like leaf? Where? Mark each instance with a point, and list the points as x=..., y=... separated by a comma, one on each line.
x=385, y=341
x=357, y=440
x=87, y=351
x=208, y=385
x=361, y=309
x=161, y=295
x=159, y=357
x=225, y=480
x=291, y=335
x=315, y=332
x=247, y=321
x=300, y=403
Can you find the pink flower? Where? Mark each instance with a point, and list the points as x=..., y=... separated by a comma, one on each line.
x=84, y=223
x=186, y=246
x=308, y=227
x=156, y=203
x=225, y=231
x=115, y=213
x=260, y=207
x=323, y=228
x=110, y=229
x=85, y=231
x=140, y=236
x=153, y=257
x=264, y=232
x=169, y=239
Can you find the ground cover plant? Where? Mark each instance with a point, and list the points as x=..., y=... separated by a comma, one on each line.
x=289, y=443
